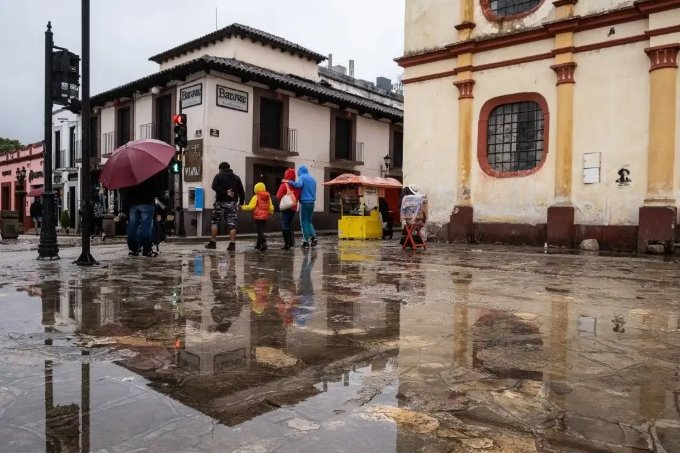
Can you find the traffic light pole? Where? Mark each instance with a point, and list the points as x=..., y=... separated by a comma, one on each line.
x=85, y=258
x=48, y=248
x=181, y=230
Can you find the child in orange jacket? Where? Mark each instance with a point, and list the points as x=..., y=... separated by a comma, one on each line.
x=262, y=207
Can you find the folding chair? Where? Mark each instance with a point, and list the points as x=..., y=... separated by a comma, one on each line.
x=411, y=210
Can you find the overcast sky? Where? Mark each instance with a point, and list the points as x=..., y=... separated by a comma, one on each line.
x=125, y=33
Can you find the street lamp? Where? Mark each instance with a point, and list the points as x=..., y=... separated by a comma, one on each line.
x=20, y=174
x=388, y=161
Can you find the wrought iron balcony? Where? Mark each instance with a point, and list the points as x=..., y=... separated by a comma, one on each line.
x=267, y=141
x=108, y=141
x=158, y=131
x=343, y=151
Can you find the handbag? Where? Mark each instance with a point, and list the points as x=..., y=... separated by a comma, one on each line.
x=288, y=200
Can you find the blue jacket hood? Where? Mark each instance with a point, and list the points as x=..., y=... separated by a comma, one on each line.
x=303, y=170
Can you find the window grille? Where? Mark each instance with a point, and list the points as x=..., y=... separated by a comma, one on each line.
x=506, y=8
x=515, y=137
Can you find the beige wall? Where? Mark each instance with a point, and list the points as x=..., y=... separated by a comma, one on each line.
x=236, y=132
x=611, y=117
x=375, y=135
x=254, y=53
x=313, y=123
x=142, y=114
x=430, y=143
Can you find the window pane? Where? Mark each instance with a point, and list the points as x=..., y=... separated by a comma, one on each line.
x=515, y=136
x=505, y=8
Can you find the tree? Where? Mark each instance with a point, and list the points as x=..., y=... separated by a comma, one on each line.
x=8, y=144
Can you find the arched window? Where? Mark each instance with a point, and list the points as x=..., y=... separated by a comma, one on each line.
x=513, y=135
x=504, y=9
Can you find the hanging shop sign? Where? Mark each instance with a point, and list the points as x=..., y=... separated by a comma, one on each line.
x=232, y=99
x=193, y=161
x=191, y=96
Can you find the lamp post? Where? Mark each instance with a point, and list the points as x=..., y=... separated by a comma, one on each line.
x=48, y=248
x=387, y=161
x=20, y=174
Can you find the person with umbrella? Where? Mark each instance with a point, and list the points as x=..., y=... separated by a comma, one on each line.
x=138, y=168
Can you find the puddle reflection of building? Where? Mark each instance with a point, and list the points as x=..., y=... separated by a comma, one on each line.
x=228, y=360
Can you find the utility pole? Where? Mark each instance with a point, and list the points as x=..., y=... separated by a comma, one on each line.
x=85, y=258
x=48, y=248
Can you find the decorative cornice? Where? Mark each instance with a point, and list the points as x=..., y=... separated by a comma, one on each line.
x=656, y=6
x=565, y=72
x=465, y=26
x=559, y=3
x=563, y=26
x=665, y=56
x=465, y=88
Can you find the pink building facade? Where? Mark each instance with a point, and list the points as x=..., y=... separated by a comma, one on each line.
x=29, y=158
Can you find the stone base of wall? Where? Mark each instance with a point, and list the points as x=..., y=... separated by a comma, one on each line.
x=610, y=237
x=657, y=224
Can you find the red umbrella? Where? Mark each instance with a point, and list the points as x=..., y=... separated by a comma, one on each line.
x=135, y=162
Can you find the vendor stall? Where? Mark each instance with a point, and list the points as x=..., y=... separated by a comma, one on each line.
x=360, y=196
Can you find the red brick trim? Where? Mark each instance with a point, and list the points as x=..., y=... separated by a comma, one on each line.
x=611, y=43
x=565, y=72
x=438, y=75
x=663, y=30
x=465, y=88
x=490, y=16
x=637, y=12
x=465, y=26
x=561, y=50
x=514, y=61
x=483, y=132
x=665, y=56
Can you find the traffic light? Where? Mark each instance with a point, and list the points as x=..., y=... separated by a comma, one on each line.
x=65, y=77
x=176, y=164
x=180, y=130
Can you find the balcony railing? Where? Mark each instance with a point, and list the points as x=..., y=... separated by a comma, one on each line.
x=349, y=152
x=60, y=158
x=159, y=131
x=108, y=140
x=286, y=141
x=79, y=152
x=146, y=131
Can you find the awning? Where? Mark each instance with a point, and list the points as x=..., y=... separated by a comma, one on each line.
x=35, y=192
x=347, y=179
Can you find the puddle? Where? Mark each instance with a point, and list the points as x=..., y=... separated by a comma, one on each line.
x=363, y=349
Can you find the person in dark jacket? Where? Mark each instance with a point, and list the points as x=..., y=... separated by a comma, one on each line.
x=36, y=214
x=139, y=200
x=229, y=195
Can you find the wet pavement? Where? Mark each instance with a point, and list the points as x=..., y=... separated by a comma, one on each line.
x=348, y=347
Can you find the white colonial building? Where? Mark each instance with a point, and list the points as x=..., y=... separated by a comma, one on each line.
x=259, y=102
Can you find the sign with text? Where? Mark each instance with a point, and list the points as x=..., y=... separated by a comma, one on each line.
x=191, y=96
x=193, y=161
x=232, y=99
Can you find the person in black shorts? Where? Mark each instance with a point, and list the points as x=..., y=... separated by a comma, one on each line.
x=229, y=195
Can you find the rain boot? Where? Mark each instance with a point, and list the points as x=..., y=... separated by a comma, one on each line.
x=286, y=240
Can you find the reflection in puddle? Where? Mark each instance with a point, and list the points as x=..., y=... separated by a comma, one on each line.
x=365, y=348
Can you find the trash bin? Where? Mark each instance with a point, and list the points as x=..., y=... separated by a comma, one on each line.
x=10, y=224
x=109, y=225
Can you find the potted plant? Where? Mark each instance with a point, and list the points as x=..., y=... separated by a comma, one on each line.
x=65, y=221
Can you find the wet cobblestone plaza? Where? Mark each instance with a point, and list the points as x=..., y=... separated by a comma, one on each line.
x=347, y=347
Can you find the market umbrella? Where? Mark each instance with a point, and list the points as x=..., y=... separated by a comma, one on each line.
x=135, y=162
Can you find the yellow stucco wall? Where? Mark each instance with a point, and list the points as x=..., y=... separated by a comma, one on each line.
x=430, y=143
x=521, y=199
x=611, y=117
x=430, y=24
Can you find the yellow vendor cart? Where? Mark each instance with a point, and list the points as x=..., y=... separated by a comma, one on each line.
x=359, y=204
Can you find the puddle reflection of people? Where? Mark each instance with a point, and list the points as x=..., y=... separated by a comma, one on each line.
x=303, y=312
x=227, y=307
